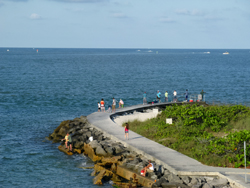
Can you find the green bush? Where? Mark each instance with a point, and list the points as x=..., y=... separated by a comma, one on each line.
x=204, y=133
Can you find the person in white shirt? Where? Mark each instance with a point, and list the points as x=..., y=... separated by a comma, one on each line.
x=175, y=96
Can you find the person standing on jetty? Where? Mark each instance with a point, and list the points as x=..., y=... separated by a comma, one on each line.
x=99, y=107
x=144, y=98
x=166, y=96
x=121, y=103
x=186, y=94
x=175, y=96
x=158, y=96
x=202, y=94
x=113, y=105
x=102, y=105
x=126, y=131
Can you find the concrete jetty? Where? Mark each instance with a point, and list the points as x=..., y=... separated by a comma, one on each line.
x=174, y=161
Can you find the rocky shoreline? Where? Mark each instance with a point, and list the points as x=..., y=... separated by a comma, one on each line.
x=115, y=162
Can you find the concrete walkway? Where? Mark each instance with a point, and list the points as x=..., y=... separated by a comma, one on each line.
x=174, y=161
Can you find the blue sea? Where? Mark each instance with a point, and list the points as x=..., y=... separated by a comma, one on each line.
x=40, y=89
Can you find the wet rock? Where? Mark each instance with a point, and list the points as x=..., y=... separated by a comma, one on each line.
x=100, y=151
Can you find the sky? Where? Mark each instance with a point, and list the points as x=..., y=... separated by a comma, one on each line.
x=166, y=24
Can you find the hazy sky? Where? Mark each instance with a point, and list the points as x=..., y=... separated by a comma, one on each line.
x=125, y=23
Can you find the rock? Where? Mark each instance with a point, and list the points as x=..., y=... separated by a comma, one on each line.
x=194, y=181
x=62, y=131
x=218, y=182
x=88, y=134
x=166, y=172
x=100, y=151
x=78, y=144
x=118, y=149
x=186, y=179
x=206, y=185
x=198, y=185
x=100, y=138
x=94, y=144
x=154, y=177
x=138, y=167
x=174, y=178
x=109, y=150
x=168, y=185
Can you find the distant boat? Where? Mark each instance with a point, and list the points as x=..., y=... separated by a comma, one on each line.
x=8, y=50
x=150, y=51
x=37, y=51
x=206, y=52
x=225, y=53
x=138, y=50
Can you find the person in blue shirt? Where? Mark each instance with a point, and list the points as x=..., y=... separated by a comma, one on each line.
x=144, y=98
x=186, y=94
x=158, y=96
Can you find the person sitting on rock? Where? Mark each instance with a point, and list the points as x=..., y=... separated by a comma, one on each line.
x=149, y=168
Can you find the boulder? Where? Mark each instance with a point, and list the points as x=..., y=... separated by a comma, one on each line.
x=154, y=177
x=168, y=185
x=218, y=182
x=172, y=178
x=78, y=144
x=186, y=179
x=109, y=150
x=62, y=131
x=118, y=149
x=88, y=134
x=207, y=185
x=94, y=144
x=100, y=151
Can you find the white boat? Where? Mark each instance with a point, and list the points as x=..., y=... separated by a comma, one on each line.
x=225, y=53
x=206, y=52
x=8, y=50
x=150, y=51
x=138, y=50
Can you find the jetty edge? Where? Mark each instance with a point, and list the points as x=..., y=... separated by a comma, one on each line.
x=172, y=160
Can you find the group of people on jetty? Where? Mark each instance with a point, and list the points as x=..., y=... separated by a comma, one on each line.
x=166, y=96
x=112, y=108
x=101, y=105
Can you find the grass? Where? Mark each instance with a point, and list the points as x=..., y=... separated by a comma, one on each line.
x=193, y=141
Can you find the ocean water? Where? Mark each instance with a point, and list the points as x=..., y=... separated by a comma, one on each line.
x=39, y=90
